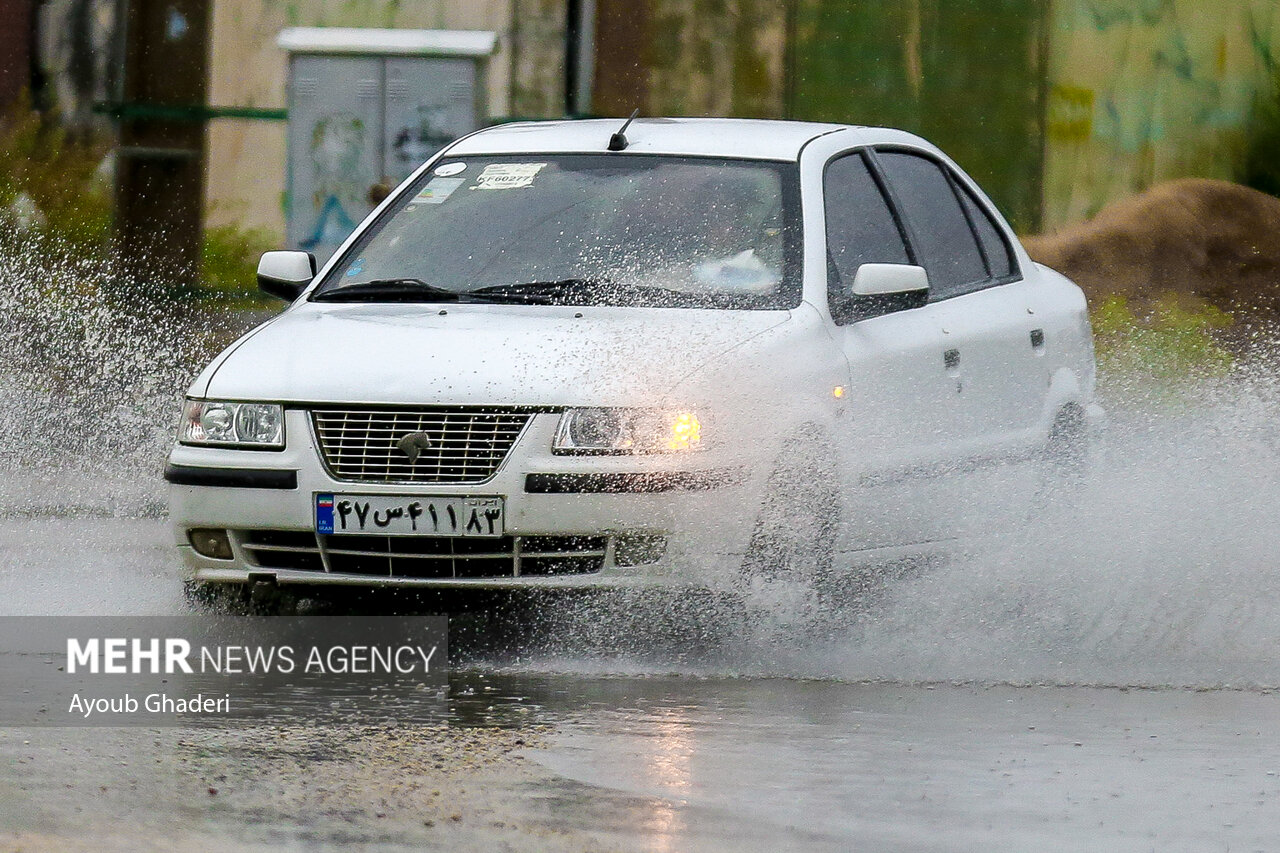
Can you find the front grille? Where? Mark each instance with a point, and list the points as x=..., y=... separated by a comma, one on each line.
x=426, y=556
x=460, y=444
x=282, y=549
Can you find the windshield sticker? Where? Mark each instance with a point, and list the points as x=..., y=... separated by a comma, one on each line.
x=508, y=176
x=450, y=169
x=437, y=190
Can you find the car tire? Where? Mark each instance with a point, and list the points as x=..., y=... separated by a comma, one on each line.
x=794, y=534
x=1064, y=461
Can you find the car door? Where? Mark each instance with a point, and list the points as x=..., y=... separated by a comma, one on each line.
x=1022, y=336
x=991, y=346
x=895, y=426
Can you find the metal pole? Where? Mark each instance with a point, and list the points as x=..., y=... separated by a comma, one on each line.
x=572, y=45
x=159, y=193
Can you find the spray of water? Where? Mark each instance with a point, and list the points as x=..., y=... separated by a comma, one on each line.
x=1159, y=569
x=92, y=369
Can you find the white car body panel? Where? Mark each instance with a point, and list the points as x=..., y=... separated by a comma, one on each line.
x=748, y=139
x=477, y=354
x=763, y=377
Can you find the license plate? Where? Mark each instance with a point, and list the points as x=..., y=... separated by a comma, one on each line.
x=391, y=515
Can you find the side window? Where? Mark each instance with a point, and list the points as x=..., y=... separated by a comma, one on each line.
x=942, y=234
x=860, y=226
x=999, y=257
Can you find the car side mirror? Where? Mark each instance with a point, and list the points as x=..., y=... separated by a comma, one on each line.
x=889, y=279
x=884, y=288
x=286, y=274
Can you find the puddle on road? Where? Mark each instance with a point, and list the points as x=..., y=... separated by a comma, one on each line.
x=816, y=765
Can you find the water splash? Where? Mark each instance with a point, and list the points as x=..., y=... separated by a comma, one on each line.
x=1161, y=569
x=92, y=371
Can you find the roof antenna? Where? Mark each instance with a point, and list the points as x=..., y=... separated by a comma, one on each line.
x=618, y=142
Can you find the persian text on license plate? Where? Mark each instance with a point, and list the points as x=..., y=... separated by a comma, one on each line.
x=394, y=515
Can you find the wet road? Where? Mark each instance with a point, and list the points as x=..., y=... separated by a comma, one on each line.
x=556, y=752
x=814, y=766
x=1101, y=681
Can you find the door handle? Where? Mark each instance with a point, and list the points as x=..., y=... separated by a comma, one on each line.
x=1037, y=339
x=951, y=360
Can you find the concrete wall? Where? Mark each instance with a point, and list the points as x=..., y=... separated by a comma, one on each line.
x=77, y=57
x=690, y=57
x=717, y=58
x=1142, y=91
x=965, y=75
x=246, y=159
x=1056, y=107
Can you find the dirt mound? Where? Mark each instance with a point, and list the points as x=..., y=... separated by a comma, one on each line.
x=1206, y=240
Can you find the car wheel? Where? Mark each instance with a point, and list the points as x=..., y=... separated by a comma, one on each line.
x=794, y=535
x=1064, y=461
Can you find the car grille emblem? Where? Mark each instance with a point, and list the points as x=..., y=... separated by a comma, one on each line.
x=413, y=444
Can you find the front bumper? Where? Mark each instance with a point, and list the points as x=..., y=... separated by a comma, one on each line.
x=571, y=521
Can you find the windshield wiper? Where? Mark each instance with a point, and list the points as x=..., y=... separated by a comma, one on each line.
x=569, y=291
x=389, y=290
x=590, y=291
x=541, y=292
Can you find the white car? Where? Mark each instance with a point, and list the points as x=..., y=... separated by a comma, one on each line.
x=566, y=354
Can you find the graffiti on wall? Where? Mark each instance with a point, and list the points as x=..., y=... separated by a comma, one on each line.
x=1070, y=113
x=414, y=143
x=337, y=149
x=1147, y=91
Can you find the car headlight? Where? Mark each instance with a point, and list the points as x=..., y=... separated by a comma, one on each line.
x=219, y=423
x=617, y=430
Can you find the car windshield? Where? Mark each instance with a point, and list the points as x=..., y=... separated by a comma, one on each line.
x=602, y=229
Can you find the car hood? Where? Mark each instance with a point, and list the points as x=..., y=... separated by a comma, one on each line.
x=477, y=354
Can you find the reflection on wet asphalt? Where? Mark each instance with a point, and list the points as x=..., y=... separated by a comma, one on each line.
x=813, y=765
x=551, y=755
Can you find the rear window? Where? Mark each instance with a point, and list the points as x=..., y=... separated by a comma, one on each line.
x=999, y=257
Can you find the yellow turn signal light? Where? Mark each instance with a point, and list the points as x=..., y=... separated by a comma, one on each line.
x=686, y=432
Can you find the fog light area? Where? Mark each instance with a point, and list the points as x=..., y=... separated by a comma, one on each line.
x=210, y=543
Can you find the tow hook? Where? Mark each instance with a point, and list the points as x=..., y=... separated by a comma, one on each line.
x=263, y=589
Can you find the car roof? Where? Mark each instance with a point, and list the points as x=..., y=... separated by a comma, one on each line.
x=756, y=139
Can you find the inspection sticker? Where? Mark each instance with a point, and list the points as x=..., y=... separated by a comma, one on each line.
x=508, y=176
x=437, y=190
